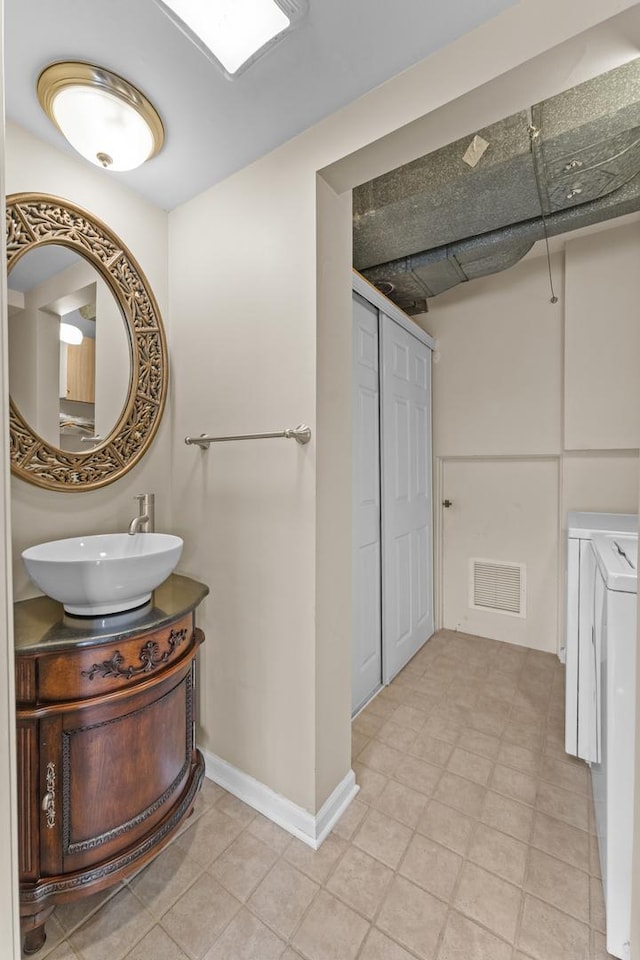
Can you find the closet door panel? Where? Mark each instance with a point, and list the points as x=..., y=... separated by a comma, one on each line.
x=406, y=495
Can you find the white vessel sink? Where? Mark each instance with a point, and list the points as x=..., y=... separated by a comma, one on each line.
x=106, y=573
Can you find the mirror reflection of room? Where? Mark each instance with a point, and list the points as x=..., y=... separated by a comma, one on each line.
x=69, y=371
x=78, y=374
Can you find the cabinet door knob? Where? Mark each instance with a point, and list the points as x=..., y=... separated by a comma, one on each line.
x=447, y=503
x=49, y=808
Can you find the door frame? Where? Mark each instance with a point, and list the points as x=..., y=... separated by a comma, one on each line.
x=357, y=299
x=370, y=293
x=9, y=917
x=373, y=296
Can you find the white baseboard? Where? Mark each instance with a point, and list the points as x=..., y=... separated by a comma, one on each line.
x=311, y=829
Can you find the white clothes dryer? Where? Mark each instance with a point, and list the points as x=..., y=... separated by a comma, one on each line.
x=580, y=582
x=613, y=696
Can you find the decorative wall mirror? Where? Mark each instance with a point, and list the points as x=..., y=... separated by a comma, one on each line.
x=88, y=368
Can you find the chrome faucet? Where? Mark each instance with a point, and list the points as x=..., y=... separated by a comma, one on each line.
x=144, y=522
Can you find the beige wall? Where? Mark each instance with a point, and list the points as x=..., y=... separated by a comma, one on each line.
x=504, y=510
x=599, y=482
x=497, y=373
x=602, y=335
x=44, y=515
x=333, y=491
x=510, y=370
x=266, y=522
x=244, y=361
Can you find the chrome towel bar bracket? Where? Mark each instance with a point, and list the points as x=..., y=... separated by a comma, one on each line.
x=301, y=434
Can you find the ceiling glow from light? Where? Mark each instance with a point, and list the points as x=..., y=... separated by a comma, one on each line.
x=233, y=32
x=69, y=333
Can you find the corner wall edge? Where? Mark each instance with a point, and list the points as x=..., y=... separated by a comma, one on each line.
x=310, y=828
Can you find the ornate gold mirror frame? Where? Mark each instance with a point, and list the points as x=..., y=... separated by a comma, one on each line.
x=36, y=219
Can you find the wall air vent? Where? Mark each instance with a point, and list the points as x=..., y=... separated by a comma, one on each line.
x=497, y=587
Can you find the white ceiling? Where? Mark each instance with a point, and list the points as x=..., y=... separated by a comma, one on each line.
x=215, y=126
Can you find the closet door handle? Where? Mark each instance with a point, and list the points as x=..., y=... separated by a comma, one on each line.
x=447, y=503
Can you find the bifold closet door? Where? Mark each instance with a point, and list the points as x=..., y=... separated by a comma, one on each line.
x=407, y=571
x=367, y=625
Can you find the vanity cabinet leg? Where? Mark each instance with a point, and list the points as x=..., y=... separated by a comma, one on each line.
x=33, y=931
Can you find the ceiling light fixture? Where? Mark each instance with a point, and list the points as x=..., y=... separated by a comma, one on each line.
x=69, y=333
x=233, y=33
x=103, y=117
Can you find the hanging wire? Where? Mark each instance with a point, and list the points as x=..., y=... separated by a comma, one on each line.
x=534, y=133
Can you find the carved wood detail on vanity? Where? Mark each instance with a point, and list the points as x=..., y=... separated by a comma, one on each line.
x=107, y=763
x=85, y=672
x=150, y=657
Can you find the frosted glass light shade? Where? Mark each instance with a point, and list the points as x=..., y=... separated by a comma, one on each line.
x=70, y=333
x=102, y=128
x=233, y=31
x=103, y=117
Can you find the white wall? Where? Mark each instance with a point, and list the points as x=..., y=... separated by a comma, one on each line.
x=38, y=514
x=23, y=361
x=518, y=377
x=34, y=364
x=113, y=360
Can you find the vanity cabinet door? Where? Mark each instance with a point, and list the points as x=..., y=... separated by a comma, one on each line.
x=39, y=797
x=50, y=799
x=124, y=765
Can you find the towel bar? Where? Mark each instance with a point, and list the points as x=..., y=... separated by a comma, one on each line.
x=301, y=434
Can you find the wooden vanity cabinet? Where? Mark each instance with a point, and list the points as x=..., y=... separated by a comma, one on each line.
x=107, y=763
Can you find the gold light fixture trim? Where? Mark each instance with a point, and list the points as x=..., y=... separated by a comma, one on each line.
x=67, y=74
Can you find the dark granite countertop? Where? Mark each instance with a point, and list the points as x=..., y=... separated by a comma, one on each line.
x=41, y=624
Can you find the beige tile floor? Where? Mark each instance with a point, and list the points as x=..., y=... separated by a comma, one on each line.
x=471, y=839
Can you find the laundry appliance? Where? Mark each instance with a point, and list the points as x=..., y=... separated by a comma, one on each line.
x=580, y=733
x=613, y=698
